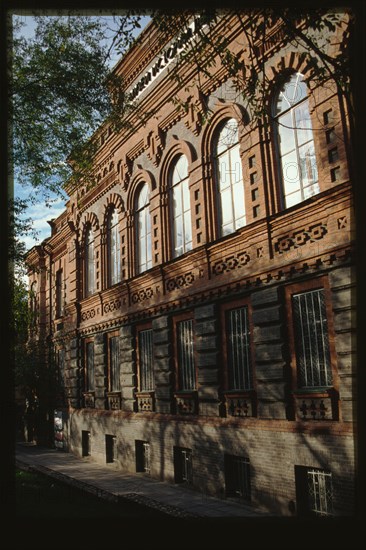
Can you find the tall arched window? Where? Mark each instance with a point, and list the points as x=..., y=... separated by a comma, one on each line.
x=180, y=208
x=89, y=263
x=229, y=179
x=143, y=230
x=113, y=247
x=296, y=153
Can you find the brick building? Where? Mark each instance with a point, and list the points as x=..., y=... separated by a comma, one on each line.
x=198, y=298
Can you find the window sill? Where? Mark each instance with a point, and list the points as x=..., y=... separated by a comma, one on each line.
x=316, y=404
x=241, y=404
x=114, y=400
x=186, y=402
x=145, y=401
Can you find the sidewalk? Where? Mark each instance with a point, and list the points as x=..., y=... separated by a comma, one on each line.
x=112, y=484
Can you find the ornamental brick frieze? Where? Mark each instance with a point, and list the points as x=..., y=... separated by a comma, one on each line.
x=88, y=314
x=180, y=281
x=233, y=261
x=111, y=306
x=142, y=295
x=300, y=238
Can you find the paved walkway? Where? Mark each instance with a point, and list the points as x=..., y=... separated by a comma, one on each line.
x=112, y=484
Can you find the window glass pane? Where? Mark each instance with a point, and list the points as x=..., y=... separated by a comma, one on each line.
x=291, y=173
x=143, y=198
x=240, y=376
x=187, y=230
x=181, y=170
x=236, y=170
x=228, y=136
x=311, y=338
x=177, y=200
x=286, y=133
x=226, y=206
x=146, y=360
x=303, y=123
x=186, y=197
x=309, y=172
x=224, y=171
x=187, y=375
x=238, y=200
x=293, y=198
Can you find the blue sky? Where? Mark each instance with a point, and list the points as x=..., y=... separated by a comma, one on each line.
x=40, y=213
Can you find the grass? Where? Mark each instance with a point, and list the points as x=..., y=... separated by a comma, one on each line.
x=40, y=496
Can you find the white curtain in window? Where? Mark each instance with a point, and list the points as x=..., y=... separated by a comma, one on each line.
x=143, y=230
x=113, y=243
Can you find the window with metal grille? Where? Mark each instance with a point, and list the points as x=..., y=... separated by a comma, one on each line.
x=186, y=367
x=114, y=363
x=183, y=471
x=59, y=294
x=314, y=491
x=113, y=246
x=180, y=207
x=142, y=456
x=311, y=339
x=60, y=367
x=237, y=476
x=239, y=362
x=146, y=367
x=229, y=179
x=295, y=141
x=89, y=356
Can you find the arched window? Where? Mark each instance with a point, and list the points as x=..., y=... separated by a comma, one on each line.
x=180, y=208
x=231, y=208
x=89, y=263
x=296, y=153
x=143, y=230
x=113, y=247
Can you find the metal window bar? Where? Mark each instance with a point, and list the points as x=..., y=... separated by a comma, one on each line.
x=240, y=370
x=186, y=464
x=115, y=363
x=237, y=473
x=311, y=334
x=187, y=378
x=90, y=365
x=320, y=492
x=146, y=360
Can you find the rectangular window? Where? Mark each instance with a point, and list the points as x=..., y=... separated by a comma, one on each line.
x=237, y=476
x=89, y=362
x=85, y=443
x=238, y=349
x=146, y=366
x=142, y=456
x=110, y=448
x=114, y=363
x=314, y=491
x=185, y=352
x=183, y=472
x=311, y=339
x=59, y=294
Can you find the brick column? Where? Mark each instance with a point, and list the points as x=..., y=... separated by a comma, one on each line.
x=206, y=342
x=73, y=374
x=162, y=335
x=268, y=318
x=100, y=371
x=128, y=368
